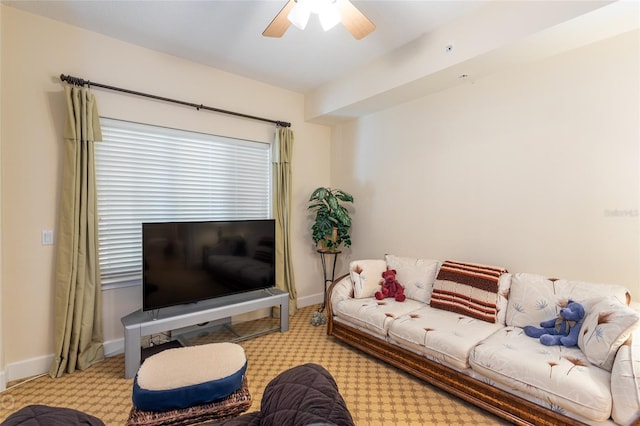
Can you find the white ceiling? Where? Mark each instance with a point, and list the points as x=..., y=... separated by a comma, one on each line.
x=227, y=35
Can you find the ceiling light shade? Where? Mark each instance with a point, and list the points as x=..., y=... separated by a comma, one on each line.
x=299, y=15
x=326, y=10
x=329, y=15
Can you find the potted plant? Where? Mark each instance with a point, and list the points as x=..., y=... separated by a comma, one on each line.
x=332, y=222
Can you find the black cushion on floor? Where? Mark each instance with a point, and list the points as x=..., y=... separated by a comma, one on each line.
x=42, y=415
x=303, y=395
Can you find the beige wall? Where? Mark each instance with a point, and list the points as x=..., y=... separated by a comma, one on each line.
x=524, y=169
x=35, y=51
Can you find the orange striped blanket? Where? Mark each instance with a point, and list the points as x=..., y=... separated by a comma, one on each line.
x=467, y=288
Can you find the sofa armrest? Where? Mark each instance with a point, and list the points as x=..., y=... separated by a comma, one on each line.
x=625, y=382
x=341, y=289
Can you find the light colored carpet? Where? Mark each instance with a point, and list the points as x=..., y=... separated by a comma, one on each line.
x=376, y=393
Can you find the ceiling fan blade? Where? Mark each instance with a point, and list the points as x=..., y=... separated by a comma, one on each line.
x=358, y=25
x=280, y=23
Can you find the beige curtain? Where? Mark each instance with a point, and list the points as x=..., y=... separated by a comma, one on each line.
x=282, y=156
x=78, y=308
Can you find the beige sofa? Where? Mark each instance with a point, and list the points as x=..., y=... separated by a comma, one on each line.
x=461, y=330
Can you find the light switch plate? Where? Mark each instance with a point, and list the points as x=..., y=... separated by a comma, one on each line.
x=47, y=238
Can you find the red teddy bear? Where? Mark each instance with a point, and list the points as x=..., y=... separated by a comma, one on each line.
x=390, y=287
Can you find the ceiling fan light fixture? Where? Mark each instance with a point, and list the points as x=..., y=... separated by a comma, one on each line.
x=327, y=12
x=299, y=15
x=330, y=13
x=329, y=16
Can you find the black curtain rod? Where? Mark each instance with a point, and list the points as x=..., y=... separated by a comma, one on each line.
x=81, y=82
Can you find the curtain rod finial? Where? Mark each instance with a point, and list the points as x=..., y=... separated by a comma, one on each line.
x=74, y=80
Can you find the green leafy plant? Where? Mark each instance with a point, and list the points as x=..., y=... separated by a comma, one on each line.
x=332, y=222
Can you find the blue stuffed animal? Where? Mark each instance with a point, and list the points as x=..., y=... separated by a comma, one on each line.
x=562, y=330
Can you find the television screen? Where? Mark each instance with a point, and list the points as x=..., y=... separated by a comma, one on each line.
x=186, y=262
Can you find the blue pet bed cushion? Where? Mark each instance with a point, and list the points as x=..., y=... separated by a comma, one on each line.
x=184, y=377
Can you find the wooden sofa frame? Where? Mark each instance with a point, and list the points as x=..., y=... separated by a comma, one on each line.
x=492, y=399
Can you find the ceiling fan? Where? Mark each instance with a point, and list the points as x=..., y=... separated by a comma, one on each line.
x=330, y=12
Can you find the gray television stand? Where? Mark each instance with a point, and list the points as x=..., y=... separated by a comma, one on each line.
x=143, y=323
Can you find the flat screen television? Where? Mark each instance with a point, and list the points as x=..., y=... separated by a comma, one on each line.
x=187, y=262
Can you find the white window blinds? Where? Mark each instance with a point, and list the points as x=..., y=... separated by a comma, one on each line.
x=153, y=174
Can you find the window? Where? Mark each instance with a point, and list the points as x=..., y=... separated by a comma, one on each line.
x=154, y=174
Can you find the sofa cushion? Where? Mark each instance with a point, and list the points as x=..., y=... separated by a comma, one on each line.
x=469, y=289
x=607, y=325
x=560, y=375
x=374, y=315
x=366, y=276
x=443, y=336
x=416, y=275
x=534, y=298
x=625, y=381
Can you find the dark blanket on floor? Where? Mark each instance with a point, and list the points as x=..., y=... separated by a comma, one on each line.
x=304, y=395
x=42, y=415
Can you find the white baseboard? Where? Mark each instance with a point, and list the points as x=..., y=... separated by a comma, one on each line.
x=114, y=347
x=28, y=368
x=41, y=365
x=314, y=299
